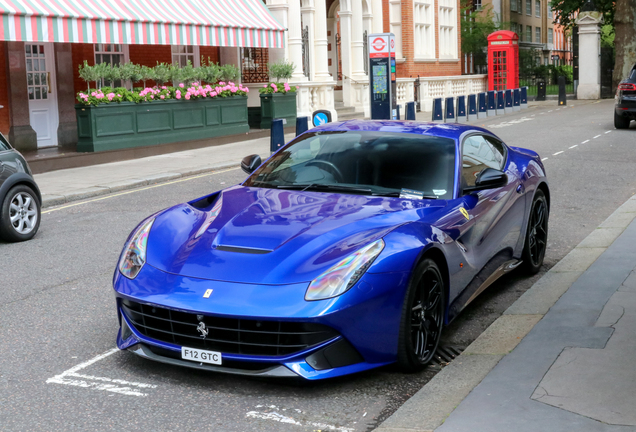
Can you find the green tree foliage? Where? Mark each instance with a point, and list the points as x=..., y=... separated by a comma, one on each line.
x=475, y=28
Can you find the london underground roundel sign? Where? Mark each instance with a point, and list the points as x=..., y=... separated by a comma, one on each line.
x=379, y=47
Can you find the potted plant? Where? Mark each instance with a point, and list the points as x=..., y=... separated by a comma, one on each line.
x=278, y=99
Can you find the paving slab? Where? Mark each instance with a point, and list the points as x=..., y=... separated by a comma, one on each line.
x=503, y=335
x=544, y=293
x=579, y=259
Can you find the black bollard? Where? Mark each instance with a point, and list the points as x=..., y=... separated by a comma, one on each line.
x=562, y=97
x=410, y=111
x=540, y=91
x=397, y=110
x=277, y=135
x=302, y=125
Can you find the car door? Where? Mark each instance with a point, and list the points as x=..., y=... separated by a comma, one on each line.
x=494, y=217
x=6, y=154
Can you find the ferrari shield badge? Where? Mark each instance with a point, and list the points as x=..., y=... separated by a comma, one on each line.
x=464, y=212
x=207, y=293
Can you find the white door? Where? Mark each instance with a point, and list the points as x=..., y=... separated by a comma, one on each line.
x=40, y=67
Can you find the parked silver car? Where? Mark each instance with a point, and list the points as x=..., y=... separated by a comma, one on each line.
x=20, y=197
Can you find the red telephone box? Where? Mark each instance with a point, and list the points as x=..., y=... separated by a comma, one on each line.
x=503, y=60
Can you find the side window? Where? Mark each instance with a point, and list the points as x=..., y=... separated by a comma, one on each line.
x=499, y=150
x=478, y=153
x=4, y=144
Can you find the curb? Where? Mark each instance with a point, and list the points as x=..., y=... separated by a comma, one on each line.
x=107, y=188
x=433, y=403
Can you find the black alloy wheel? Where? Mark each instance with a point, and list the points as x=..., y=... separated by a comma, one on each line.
x=422, y=317
x=537, y=234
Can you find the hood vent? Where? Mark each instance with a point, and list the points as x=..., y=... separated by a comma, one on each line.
x=243, y=250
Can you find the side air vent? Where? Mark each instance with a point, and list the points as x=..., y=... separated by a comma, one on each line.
x=245, y=250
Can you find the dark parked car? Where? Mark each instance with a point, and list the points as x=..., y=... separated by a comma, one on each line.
x=625, y=108
x=19, y=196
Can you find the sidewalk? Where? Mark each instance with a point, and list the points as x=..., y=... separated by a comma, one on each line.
x=59, y=187
x=561, y=358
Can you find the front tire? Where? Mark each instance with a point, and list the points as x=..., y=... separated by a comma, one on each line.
x=422, y=317
x=621, y=122
x=19, y=214
x=536, y=234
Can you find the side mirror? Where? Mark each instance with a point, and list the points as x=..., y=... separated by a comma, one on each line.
x=250, y=163
x=488, y=178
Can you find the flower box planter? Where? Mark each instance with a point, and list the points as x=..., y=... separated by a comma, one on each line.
x=278, y=105
x=124, y=125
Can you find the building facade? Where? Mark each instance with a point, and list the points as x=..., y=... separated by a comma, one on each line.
x=41, y=49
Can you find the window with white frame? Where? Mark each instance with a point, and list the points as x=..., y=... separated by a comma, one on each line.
x=550, y=36
x=113, y=54
x=424, y=29
x=477, y=5
x=528, y=33
x=549, y=10
x=447, y=29
x=529, y=7
x=395, y=19
x=537, y=34
x=181, y=54
x=537, y=8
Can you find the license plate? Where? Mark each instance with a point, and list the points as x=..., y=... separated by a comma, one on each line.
x=201, y=356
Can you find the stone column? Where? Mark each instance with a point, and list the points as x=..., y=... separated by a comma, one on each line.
x=357, y=45
x=21, y=134
x=321, y=56
x=345, y=51
x=589, y=55
x=67, y=128
x=295, y=39
x=308, y=13
x=279, y=10
x=378, y=24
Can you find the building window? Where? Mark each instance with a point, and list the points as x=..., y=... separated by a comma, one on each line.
x=537, y=7
x=520, y=31
x=529, y=33
x=181, y=54
x=537, y=34
x=447, y=29
x=550, y=36
x=114, y=54
x=529, y=7
x=549, y=10
x=476, y=5
x=395, y=18
x=254, y=65
x=423, y=22
x=513, y=5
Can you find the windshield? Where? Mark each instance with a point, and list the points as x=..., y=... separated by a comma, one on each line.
x=373, y=163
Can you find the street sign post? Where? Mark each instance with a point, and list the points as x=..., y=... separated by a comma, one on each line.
x=382, y=76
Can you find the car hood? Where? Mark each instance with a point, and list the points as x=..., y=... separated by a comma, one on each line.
x=272, y=236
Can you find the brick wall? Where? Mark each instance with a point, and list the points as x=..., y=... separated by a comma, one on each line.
x=4, y=92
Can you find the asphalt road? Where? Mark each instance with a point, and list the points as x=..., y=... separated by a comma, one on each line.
x=58, y=368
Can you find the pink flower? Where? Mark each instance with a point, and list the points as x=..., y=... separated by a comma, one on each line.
x=164, y=87
x=221, y=83
x=264, y=85
x=274, y=87
x=93, y=94
x=187, y=96
x=178, y=94
x=233, y=90
x=118, y=95
x=152, y=96
x=287, y=87
x=213, y=94
x=181, y=85
x=162, y=97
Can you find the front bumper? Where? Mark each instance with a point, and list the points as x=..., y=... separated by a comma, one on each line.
x=366, y=318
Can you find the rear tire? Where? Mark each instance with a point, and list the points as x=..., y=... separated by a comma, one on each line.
x=422, y=317
x=621, y=122
x=536, y=234
x=19, y=214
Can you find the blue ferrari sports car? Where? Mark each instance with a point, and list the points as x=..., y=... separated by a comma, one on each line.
x=348, y=249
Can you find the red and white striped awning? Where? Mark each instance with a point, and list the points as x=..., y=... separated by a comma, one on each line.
x=244, y=23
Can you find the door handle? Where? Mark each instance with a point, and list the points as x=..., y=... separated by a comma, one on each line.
x=520, y=188
x=48, y=81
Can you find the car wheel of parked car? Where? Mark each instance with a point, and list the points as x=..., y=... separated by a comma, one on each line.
x=621, y=122
x=536, y=234
x=20, y=214
x=422, y=317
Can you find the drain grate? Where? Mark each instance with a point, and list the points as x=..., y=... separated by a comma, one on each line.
x=446, y=354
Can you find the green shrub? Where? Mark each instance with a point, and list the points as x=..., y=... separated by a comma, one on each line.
x=281, y=70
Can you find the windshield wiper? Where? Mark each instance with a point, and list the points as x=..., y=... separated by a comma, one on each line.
x=322, y=186
x=397, y=194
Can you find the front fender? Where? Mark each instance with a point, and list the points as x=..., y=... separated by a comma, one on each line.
x=20, y=178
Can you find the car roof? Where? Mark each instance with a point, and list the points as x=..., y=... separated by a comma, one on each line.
x=445, y=130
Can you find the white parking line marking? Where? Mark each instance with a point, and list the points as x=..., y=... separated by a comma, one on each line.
x=557, y=153
x=550, y=110
x=511, y=122
x=608, y=132
x=544, y=159
x=585, y=141
x=275, y=416
x=575, y=145
x=99, y=383
x=596, y=136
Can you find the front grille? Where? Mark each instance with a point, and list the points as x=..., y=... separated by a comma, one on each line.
x=226, y=335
